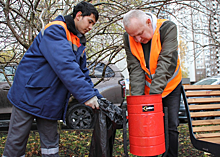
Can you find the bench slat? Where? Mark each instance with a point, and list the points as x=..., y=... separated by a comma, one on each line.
x=212, y=140
x=205, y=122
x=208, y=135
x=204, y=107
x=205, y=114
x=203, y=100
x=206, y=128
x=202, y=93
x=201, y=87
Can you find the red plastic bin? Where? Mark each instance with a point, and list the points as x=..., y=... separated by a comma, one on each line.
x=146, y=125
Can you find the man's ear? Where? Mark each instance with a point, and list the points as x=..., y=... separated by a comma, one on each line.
x=78, y=15
x=148, y=21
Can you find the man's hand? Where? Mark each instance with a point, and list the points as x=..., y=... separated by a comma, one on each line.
x=92, y=103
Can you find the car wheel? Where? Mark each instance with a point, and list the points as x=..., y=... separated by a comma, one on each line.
x=79, y=116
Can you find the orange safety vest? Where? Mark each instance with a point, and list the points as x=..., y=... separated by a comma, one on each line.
x=137, y=50
x=73, y=39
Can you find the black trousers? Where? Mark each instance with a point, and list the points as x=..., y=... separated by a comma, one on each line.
x=172, y=102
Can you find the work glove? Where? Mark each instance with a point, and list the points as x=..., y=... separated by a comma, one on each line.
x=92, y=103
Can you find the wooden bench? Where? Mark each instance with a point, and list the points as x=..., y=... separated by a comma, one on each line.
x=202, y=104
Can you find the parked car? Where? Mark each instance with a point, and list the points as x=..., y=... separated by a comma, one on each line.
x=214, y=80
x=5, y=105
x=79, y=116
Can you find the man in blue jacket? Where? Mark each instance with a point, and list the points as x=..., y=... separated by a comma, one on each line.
x=52, y=68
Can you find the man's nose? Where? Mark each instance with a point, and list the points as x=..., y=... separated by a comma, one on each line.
x=138, y=39
x=90, y=26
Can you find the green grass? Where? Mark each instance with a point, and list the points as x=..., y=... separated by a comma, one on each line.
x=77, y=142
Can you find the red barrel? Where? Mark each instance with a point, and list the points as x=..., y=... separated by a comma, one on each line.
x=146, y=125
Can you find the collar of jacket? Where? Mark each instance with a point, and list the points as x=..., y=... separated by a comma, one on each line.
x=71, y=27
x=153, y=20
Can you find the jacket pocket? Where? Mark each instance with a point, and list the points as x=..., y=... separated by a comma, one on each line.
x=44, y=76
x=35, y=98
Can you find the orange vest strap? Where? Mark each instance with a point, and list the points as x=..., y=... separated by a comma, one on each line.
x=73, y=39
x=155, y=46
x=137, y=47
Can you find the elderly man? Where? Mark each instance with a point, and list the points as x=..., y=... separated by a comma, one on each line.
x=153, y=64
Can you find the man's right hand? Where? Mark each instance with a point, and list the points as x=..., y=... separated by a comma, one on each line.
x=92, y=102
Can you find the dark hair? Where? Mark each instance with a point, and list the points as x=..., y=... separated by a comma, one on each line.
x=86, y=8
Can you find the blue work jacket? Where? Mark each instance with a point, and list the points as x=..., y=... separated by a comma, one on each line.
x=49, y=71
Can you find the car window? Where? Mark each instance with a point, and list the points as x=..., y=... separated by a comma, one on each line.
x=206, y=82
x=10, y=71
x=98, y=70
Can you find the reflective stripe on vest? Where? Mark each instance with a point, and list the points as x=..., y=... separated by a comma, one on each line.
x=73, y=40
x=137, y=50
x=174, y=75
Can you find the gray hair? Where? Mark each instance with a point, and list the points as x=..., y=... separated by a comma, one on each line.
x=137, y=14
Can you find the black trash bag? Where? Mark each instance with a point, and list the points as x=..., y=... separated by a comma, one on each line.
x=107, y=119
x=114, y=113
